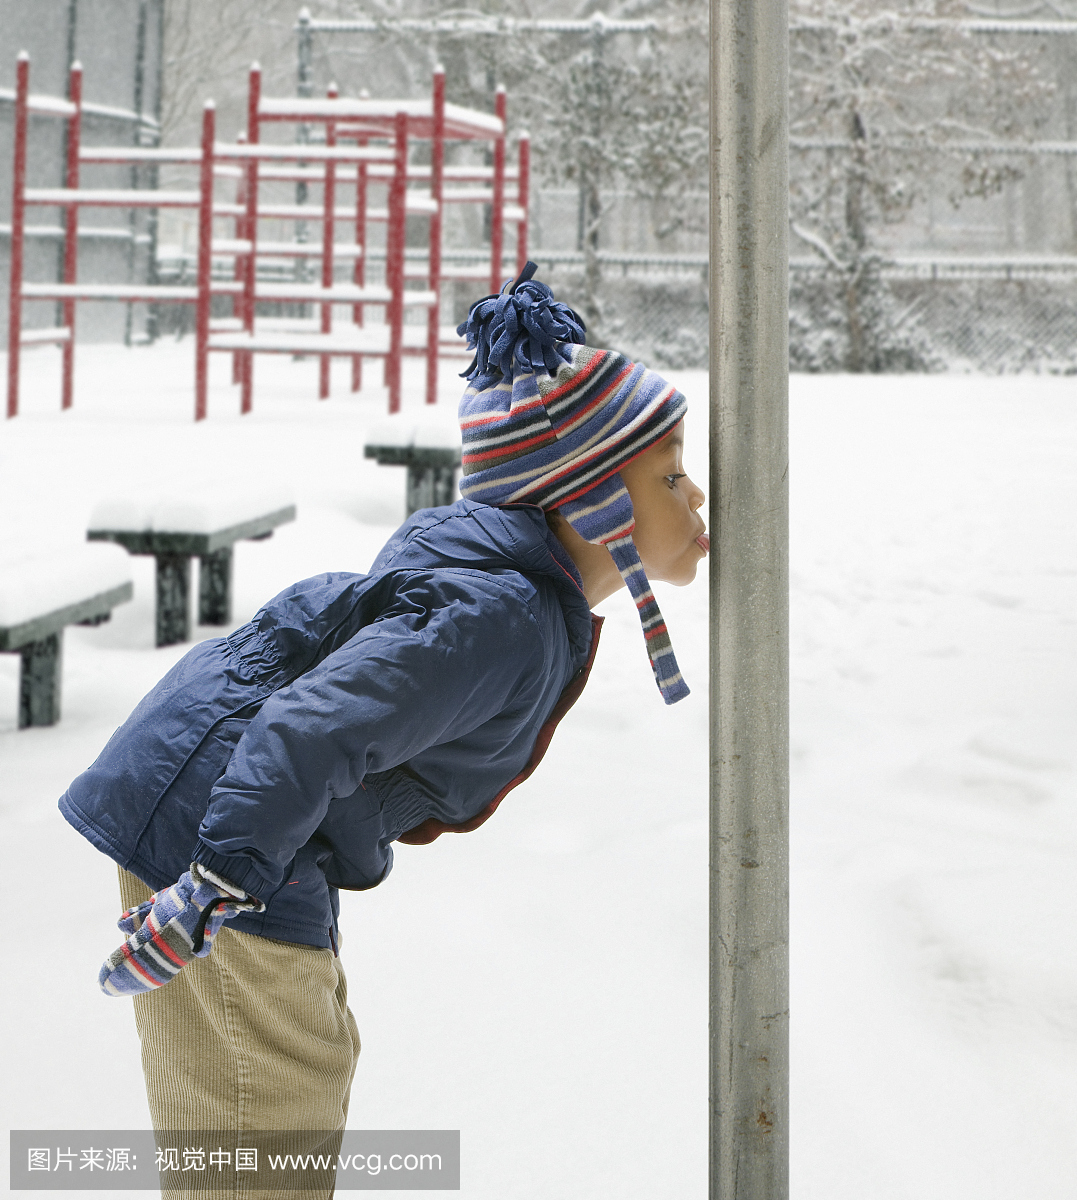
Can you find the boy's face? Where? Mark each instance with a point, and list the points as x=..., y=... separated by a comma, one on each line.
x=666, y=503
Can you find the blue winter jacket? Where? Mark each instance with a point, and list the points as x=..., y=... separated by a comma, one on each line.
x=352, y=710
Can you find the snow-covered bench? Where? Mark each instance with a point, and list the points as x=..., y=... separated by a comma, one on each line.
x=39, y=597
x=175, y=529
x=428, y=444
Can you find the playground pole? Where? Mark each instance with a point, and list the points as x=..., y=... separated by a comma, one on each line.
x=359, y=266
x=18, y=227
x=205, y=261
x=437, y=170
x=250, y=226
x=71, y=231
x=329, y=205
x=749, y=935
x=394, y=259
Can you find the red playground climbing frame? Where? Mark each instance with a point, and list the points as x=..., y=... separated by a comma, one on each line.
x=364, y=142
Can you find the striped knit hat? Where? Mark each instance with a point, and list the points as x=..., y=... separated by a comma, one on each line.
x=547, y=420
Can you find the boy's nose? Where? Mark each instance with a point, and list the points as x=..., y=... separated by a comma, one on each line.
x=696, y=497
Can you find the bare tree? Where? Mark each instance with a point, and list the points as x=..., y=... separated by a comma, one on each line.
x=209, y=45
x=625, y=116
x=605, y=111
x=874, y=97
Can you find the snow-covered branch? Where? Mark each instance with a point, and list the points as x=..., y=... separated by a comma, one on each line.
x=819, y=244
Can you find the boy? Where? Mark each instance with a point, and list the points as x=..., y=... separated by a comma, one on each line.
x=358, y=710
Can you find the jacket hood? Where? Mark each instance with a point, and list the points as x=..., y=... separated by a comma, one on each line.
x=471, y=536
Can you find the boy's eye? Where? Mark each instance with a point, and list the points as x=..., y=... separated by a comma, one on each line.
x=672, y=480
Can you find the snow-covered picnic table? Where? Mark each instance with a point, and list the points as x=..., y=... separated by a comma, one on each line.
x=40, y=596
x=176, y=528
x=428, y=444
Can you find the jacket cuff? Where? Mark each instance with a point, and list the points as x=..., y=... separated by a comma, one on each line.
x=240, y=872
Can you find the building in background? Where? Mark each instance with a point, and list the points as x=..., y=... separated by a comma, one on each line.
x=119, y=43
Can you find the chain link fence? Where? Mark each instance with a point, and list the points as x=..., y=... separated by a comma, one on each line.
x=970, y=314
x=998, y=316
x=963, y=313
x=930, y=314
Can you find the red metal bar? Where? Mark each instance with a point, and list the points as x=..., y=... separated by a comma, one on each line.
x=239, y=266
x=497, y=209
x=359, y=268
x=394, y=261
x=18, y=225
x=329, y=200
x=437, y=171
x=254, y=98
x=71, y=232
x=205, y=258
x=523, y=194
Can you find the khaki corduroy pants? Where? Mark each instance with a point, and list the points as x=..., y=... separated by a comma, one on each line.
x=256, y=1036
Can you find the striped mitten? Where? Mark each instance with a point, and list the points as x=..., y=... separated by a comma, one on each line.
x=168, y=930
x=132, y=918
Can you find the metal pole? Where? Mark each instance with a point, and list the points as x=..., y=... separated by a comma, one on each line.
x=154, y=139
x=394, y=259
x=205, y=258
x=359, y=267
x=437, y=170
x=71, y=231
x=749, y=1008
x=239, y=267
x=18, y=229
x=329, y=204
x=250, y=226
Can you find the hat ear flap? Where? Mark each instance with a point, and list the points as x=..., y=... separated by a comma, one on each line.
x=602, y=513
x=604, y=516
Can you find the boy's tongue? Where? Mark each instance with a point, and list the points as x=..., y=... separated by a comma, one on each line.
x=704, y=541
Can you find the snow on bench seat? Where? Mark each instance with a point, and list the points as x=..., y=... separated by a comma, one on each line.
x=427, y=442
x=175, y=528
x=182, y=524
x=40, y=594
x=432, y=427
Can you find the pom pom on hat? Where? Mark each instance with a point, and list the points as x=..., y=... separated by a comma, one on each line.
x=524, y=322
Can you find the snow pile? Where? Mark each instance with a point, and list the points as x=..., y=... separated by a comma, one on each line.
x=34, y=586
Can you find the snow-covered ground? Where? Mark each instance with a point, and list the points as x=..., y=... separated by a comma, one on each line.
x=541, y=984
